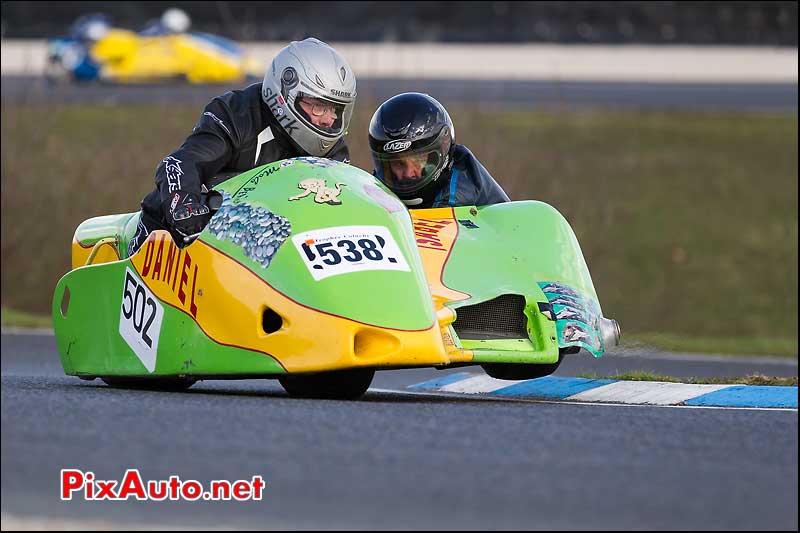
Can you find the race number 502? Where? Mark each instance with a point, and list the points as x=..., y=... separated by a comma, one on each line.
x=140, y=319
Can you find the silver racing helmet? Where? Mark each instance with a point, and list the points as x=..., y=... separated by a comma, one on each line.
x=311, y=91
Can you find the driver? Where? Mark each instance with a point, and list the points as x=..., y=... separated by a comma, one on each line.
x=302, y=108
x=412, y=140
x=173, y=21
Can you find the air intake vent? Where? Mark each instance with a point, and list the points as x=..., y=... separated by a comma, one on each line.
x=500, y=318
x=271, y=321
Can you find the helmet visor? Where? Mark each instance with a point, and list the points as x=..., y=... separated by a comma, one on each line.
x=408, y=172
x=320, y=114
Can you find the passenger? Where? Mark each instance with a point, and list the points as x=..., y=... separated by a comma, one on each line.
x=71, y=55
x=413, y=146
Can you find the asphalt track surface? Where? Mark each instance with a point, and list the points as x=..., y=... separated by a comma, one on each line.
x=777, y=97
x=399, y=460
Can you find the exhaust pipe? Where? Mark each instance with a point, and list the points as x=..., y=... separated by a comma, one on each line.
x=609, y=329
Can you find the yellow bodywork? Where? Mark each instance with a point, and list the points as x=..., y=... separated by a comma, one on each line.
x=436, y=233
x=199, y=280
x=128, y=57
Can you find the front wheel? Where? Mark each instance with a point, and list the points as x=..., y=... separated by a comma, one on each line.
x=337, y=385
x=520, y=371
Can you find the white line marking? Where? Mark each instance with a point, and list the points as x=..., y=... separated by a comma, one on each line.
x=477, y=384
x=647, y=392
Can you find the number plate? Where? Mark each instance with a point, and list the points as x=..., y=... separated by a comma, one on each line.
x=140, y=319
x=344, y=249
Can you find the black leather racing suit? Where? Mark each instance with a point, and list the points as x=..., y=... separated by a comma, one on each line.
x=235, y=133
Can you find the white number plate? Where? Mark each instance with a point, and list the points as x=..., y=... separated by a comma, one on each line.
x=140, y=319
x=340, y=250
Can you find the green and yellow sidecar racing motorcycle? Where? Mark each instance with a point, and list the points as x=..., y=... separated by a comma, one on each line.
x=312, y=272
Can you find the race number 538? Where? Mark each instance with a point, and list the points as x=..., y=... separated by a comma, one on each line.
x=140, y=319
x=343, y=249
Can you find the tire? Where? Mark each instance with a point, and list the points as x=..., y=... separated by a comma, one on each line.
x=521, y=371
x=158, y=384
x=338, y=385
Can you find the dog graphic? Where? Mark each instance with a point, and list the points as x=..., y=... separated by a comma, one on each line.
x=322, y=193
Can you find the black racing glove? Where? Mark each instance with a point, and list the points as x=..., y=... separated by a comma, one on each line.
x=187, y=212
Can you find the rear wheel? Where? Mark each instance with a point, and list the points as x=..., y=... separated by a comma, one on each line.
x=338, y=385
x=160, y=384
x=526, y=370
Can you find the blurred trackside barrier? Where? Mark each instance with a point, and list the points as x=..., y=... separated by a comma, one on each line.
x=674, y=64
x=723, y=22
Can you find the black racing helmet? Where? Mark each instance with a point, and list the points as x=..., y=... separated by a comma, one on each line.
x=412, y=141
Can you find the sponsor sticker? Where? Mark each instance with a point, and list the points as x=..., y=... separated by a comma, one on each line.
x=576, y=317
x=344, y=249
x=258, y=231
x=430, y=233
x=384, y=199
x=140, y=319
x=573, y=332
x=568, y=313
x=396, y=146
x=566, y=301
x=558, y=288
x=318, y=161
x=322, y=193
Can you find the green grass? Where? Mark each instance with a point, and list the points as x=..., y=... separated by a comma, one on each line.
x=752, y=379
x=687, y=220
x=19, y=319
x=719, y=345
